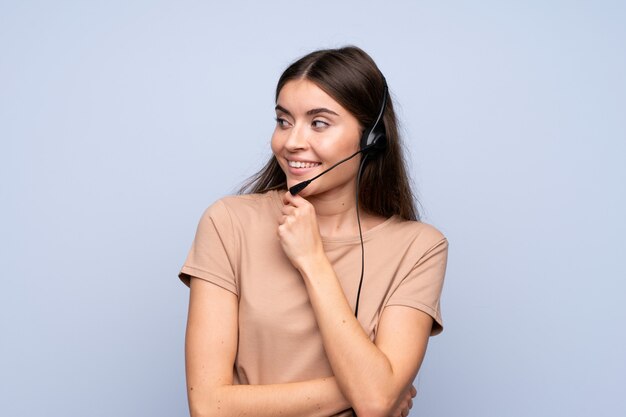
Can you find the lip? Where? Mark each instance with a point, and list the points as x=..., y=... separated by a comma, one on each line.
x=301, y=171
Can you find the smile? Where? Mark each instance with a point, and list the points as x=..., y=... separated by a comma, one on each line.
x=300, y=164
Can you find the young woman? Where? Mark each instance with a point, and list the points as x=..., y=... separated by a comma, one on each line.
x=318, y=302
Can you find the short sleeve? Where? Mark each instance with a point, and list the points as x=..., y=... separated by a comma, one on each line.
x=212, y=252
x=421, y=288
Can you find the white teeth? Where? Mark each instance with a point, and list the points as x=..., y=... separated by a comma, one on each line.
x=298, y=164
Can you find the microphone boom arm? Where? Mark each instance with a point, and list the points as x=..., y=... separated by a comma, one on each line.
x=302, y=185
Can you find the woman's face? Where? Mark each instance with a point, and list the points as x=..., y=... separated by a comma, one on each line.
x=312, y=133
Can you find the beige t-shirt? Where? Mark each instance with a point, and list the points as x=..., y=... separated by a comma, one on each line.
x=237, y=248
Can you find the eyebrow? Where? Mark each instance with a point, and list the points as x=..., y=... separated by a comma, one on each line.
x=308, y=113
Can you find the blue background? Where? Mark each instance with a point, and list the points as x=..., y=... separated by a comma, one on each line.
x=120, y=121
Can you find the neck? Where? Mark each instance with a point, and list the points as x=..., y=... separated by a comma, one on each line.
x=336, y=213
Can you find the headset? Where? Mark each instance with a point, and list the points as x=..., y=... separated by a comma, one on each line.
x=374, y=138
x=373, y=141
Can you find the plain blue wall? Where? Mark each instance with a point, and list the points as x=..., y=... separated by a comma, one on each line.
x=120, y=121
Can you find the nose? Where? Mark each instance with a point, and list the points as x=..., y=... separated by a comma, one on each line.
x=297, y=139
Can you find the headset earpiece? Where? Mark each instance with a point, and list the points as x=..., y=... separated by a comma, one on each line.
x=377, y=141
x=374, y=138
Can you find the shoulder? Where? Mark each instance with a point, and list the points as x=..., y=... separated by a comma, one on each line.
x=416, y=237
x=422, y=231
x=267, y=200
x=244, y=208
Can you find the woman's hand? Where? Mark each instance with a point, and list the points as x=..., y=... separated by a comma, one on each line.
x=298, y=231
x=405, y=403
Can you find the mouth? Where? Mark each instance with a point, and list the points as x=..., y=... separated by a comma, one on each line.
x=302, y=164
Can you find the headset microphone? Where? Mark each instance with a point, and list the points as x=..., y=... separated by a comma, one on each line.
x=302, y=185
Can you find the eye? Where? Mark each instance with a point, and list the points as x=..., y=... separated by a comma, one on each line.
x=319, y=124
x=280, y=122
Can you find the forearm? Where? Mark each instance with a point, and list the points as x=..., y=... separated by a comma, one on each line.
x=362, y=370
x=211, y=344
x=319, y=397
x=372, y=376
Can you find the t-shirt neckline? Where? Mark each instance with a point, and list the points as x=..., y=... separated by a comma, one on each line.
x=344, y=239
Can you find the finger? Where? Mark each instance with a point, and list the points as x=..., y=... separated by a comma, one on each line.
x=413, y=391
x=294, y=200
x=410, y=404
x=287, y=198
x=285, y=221
x=287, y=210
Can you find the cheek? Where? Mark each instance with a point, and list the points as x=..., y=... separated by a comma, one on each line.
x=338, y=149
x=350, y=139
x=275, y=143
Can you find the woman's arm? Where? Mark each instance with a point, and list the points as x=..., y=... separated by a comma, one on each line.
x=210, y=349
x=373, y=376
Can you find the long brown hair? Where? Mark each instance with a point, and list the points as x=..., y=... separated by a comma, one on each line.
x=350, y=77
